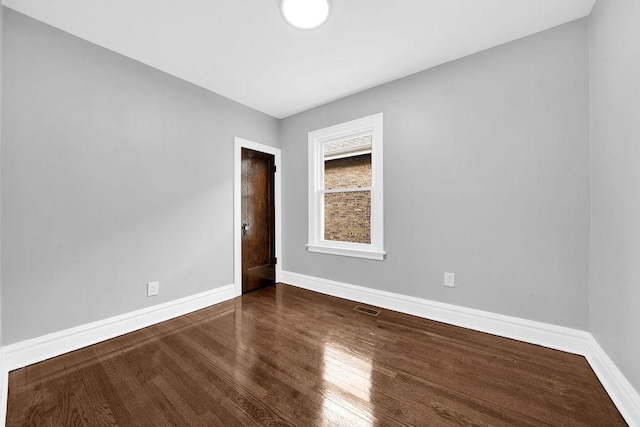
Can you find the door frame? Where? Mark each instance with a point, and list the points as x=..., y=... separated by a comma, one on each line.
x=239, y=144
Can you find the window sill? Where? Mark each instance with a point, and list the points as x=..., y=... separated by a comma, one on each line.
x=350, y=252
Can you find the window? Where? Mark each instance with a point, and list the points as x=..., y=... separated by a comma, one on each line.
x=345, y=189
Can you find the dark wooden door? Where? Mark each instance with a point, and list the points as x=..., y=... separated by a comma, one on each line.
x=258, y=220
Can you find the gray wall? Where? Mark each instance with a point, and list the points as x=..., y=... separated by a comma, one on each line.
x=486, y=166
x=614, y=315
x=113, y=175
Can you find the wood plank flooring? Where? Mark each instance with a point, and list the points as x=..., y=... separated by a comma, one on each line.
x=283, y=356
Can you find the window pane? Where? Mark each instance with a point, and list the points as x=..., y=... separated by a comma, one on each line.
x=347, y=216
x=347, y=163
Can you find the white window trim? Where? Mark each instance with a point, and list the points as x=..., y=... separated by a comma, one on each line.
x=366, y=125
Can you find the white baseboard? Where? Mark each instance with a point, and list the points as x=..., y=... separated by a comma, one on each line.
x=23, y=353
x=41, y=348
x=552, y=336
x=624, y=396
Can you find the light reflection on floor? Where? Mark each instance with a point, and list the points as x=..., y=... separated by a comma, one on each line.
x=347, y=378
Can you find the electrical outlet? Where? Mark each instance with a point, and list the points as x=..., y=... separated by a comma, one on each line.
x=449, y=280
x=153, y=288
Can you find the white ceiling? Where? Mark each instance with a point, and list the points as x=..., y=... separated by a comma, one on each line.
x=242, y=49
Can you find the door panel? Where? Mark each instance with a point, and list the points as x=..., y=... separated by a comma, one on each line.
x=258, y=220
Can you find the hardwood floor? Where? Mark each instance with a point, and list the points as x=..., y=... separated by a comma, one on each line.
x=287, y=356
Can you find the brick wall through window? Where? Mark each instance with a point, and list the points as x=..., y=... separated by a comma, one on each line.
x=347, y=215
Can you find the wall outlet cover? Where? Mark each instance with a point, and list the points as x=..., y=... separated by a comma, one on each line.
x=449, y=280
x=153, y=288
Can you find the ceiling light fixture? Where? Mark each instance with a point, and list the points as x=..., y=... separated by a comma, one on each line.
x=305, y=14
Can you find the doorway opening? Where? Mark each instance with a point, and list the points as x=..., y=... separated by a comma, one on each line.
x=256, y=215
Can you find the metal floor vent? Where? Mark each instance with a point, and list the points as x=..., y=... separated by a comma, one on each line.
x=367, y=310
